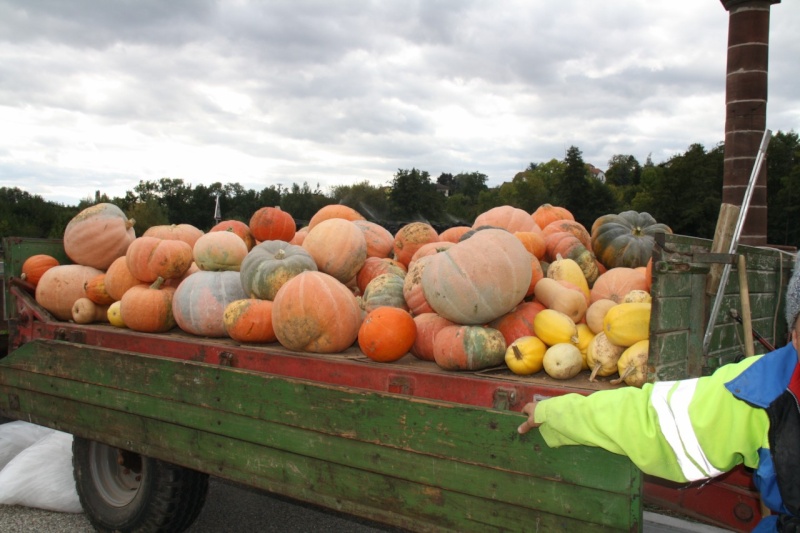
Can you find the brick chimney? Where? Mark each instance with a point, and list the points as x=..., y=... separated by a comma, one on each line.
x=746, y=110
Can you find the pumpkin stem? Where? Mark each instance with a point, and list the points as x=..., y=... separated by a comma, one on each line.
x=129, y=223
x=593, y=375
x=628, y=371
x=157, y=283
x=280, y=254
x=517, y=352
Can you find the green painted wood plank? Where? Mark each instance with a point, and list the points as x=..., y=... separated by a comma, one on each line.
x=220, y=455
x=398, y=422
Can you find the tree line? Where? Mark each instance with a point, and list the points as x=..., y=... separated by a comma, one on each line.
x=683, y=192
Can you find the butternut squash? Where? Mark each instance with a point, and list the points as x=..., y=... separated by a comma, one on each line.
x=554, y=327
x=627, y=323
x=559, y=298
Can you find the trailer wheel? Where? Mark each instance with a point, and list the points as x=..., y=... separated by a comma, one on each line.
x=124, y=491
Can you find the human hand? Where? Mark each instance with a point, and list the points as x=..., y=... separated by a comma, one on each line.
x=529, y=409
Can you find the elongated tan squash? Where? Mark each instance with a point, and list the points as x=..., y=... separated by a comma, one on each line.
x=632, y=364
x=568, y=270
x=554, y=327
x=602, y=356
x=627, y=323
x=559, y=298
x=597, y=312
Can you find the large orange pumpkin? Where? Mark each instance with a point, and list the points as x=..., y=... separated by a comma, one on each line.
x=386, y=334
x=98, y=235
x=379, y=239
x=249, y=320
x=507, y=217
x=547, y=213
x=200, y=301
x=272, y=224
x=315, y=312
x=334, y=211
x=270, y=264
x=412, y=288
x=569, y=226
x=61, y=286
x=238, y=228
x=36, y=265
x=150, y=258
x=177, y=232
x=468, y=348
x=478, y=279
x=148, y=308
x=338, y=247
x=410, y=238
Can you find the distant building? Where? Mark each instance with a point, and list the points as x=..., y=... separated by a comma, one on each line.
x=597, y=173
x=442, y=189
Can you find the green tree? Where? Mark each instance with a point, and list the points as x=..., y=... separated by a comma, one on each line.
x=783, y=177
x=413, y=196
x=369, y=200
x=303, y=202
x=147, y=214
x=573, y=186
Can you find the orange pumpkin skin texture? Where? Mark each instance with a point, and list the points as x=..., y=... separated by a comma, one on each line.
x=314, y=312
x=615, y=283
x=270, y=264
x=374, y=267
x=96, y=290
x=200, y=301
x=569, y=226
x=150, y=258
x=299, y=236
x=430, y=249
x=35, y=266
x=410, y=238
x=533, y=242
x=518, y=322
x=546, y=213
x=468, y=348
x=219, y=250
x=507, y=217
x=334, y=211
x=454, y=234
x=338, y=247
x=176, y=232
x=148, y=308
x=428, y=325
x=61, y=286
x=119, y=278
x=98, y=235
x=272, y=224
x=379, y=239
x=249, y=320
x=386, y=334
x=478, y=279
x=236, y=227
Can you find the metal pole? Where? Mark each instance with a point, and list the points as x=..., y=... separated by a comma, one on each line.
x=737, y=232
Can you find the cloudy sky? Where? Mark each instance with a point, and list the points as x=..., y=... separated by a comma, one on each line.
x=98, y=95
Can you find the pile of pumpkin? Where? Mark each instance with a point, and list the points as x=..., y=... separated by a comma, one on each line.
x=536, y=290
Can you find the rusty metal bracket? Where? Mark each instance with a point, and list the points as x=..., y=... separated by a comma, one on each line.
x=401, y=385
x=226, y=359
x=504, y=398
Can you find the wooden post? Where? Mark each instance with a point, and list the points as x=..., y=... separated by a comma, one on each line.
x=744, y=297
x=723, y=234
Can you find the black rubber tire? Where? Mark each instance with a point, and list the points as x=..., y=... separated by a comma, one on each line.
x=143, y=494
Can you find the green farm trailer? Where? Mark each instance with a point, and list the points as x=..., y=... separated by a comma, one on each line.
x=404, y=443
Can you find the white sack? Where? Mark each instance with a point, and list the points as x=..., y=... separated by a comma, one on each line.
x=16, y=436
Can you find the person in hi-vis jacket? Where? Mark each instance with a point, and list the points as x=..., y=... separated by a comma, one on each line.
x=693, y=429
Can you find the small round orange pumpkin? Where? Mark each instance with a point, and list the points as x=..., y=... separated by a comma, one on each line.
x=547, y=213
x=379, y=239
x=35, y=266
x=119, y=278
x=148, y=308
x=454, y=234
x=507, y=217
x=249, y=320
x=96, y=290
x=616, y=282
x=272, y=224
x=387, y=334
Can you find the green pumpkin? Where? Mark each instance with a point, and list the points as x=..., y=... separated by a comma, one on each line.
x=385, y=290
x=626, y=239
x=271, y=264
